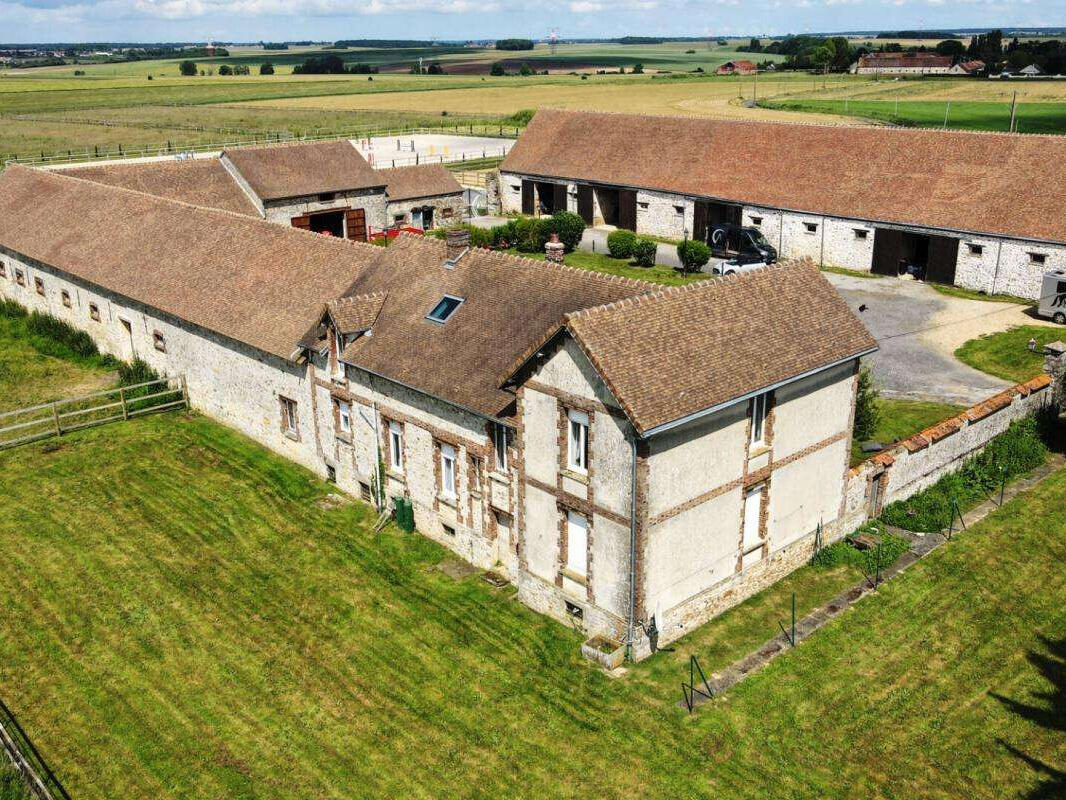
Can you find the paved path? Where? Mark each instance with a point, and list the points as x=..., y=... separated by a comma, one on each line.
x=918, y=330
x=921, y=545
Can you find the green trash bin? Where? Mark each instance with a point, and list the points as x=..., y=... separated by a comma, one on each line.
x=408, y=523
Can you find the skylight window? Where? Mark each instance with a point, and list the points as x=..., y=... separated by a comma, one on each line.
x=444, y=309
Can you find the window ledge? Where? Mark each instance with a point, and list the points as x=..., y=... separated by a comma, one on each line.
x=346, y=438
x=475, y=494
x=449, y=500
x=396, y=476
x=575, y=577
x=757, y=450
x=291, y=435
x=574, y=475
x=502, y=477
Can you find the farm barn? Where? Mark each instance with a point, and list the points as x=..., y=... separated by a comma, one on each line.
x=324, y=187
x=903, y=64
x=977, y=210
x=527, y=411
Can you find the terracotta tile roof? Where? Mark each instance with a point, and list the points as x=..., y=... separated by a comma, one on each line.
x=248, y=279
x=425, y=180
x=199, y=181
x=677, y=352
x=980, y=182
x=357, y=312
x=509, y=303
x=298, y=170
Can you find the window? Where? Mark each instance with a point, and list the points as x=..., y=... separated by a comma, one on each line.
x=331, y=474
x=812, y=227
x=643, y=204
x=679, y=209
x=396, y=446
x=38, y=285
x=325, y=197
x=1037, y=258
x=447, y=470
x=499, y=445
x=751, y=549
x=975, y=249
x=861, y=233
x=399, y=218
x=66, y=298
x=159, y=342
x=344, y=416
x=94, y=312
x=577, y=540
x=364, y=491
x=288, y=415
x=756, y=221
x=20, y=277
x=448, y=529
x=574, y=610
x=578, y=441
x=475, y=473
x=3, y=270
x=444, y=309
x=759, y=405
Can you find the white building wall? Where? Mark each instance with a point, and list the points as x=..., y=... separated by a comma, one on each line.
x=371, y=200
x=664, y=214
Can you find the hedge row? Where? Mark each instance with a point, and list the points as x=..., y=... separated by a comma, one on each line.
x=51, y=336
x=1014, y=452
x=526, y=234
x=626, y=244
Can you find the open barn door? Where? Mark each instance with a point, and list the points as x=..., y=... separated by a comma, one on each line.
x=584, y=202
x=527, y=197
x=942, y=259
x=627, y=209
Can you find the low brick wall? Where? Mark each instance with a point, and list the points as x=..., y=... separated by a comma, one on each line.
x=921, y=460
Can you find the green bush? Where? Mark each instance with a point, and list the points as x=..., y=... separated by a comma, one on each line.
x=1015, y=451
x=693, y=254
x=12, y=310
x=66, y=338
x=529, y=235
x=12, y=786
x=644, y=252
x=137, y=372
x=867, y=408
x=569, y=227
x=844, y=552
x=620, y=243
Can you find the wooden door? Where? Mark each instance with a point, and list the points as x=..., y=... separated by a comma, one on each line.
x=627, y=209
x=699, y=221
x=888, y=250
x=303, y=222
x=559, y=197
x=585, y=203
x=527, y=197
x=943, y=257
x=355, y=224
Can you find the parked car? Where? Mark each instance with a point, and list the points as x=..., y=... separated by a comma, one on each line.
x=1052, y=303
x=744, y=262
x=726, y=239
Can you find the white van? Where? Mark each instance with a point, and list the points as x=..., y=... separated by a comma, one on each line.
x=1052, y=303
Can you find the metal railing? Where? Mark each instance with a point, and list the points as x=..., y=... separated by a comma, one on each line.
x=34, y=423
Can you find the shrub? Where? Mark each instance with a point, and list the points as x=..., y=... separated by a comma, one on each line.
x=569, y=227
x=529, y=235
x=525, y=70
x=644, y=252
x=1015, y=451
x=867, y=409
x=225, y=69
x=63, y=339
x=188, y=68
x=266, y=69
x=11, y=309
x=693, y=254
x=844, y=552
x=520, y=118
x=497, y=69
x=620, y=243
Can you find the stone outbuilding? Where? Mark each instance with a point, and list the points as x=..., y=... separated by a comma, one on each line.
x=978, y=210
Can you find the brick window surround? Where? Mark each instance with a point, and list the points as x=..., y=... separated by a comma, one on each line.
x=288, y=419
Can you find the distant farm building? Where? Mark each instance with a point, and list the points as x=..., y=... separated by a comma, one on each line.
x=903, y=64
x=736, y=68
x=977, y=210
x=967, y=68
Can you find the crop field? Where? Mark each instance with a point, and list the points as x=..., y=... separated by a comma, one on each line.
x=189, y=616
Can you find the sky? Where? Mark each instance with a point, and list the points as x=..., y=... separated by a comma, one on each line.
x=329, y=20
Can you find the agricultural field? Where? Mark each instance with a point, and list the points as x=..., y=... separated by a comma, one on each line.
x=192, y=616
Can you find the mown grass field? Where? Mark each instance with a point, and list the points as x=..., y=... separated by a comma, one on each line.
x=1006, y=354
x=185, y=618
x=903, y=418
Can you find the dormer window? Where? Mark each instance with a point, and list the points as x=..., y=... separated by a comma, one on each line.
x=443, y=311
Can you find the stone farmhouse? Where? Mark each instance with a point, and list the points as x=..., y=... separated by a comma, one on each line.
x=903, y=64
x=325, y=187
x=630, y=457
x=978, y=210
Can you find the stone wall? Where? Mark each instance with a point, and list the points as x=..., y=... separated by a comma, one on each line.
x=921, y=460
x=447, y=209
x=371, y=200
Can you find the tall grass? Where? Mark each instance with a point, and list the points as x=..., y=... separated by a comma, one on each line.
x=51, y=336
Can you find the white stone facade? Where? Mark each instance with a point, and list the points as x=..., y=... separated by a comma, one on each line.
x=447, y=209
x=371, y=200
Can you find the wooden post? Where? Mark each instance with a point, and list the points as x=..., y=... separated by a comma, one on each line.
x=122, y=399
x=184, y=390
x=55, y=420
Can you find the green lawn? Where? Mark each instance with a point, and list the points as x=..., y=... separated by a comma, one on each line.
x=970, y=294
x=903, y=418
x=1006, y=355
x=623, y=267
x=966, y=114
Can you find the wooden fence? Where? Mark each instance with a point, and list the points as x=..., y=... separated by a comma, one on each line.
x=25, y=425
x=20, y=750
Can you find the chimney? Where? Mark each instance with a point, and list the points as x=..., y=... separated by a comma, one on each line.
x=554, y=249
x=458, y=240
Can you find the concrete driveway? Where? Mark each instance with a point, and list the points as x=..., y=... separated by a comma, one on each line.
x=918, y=330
